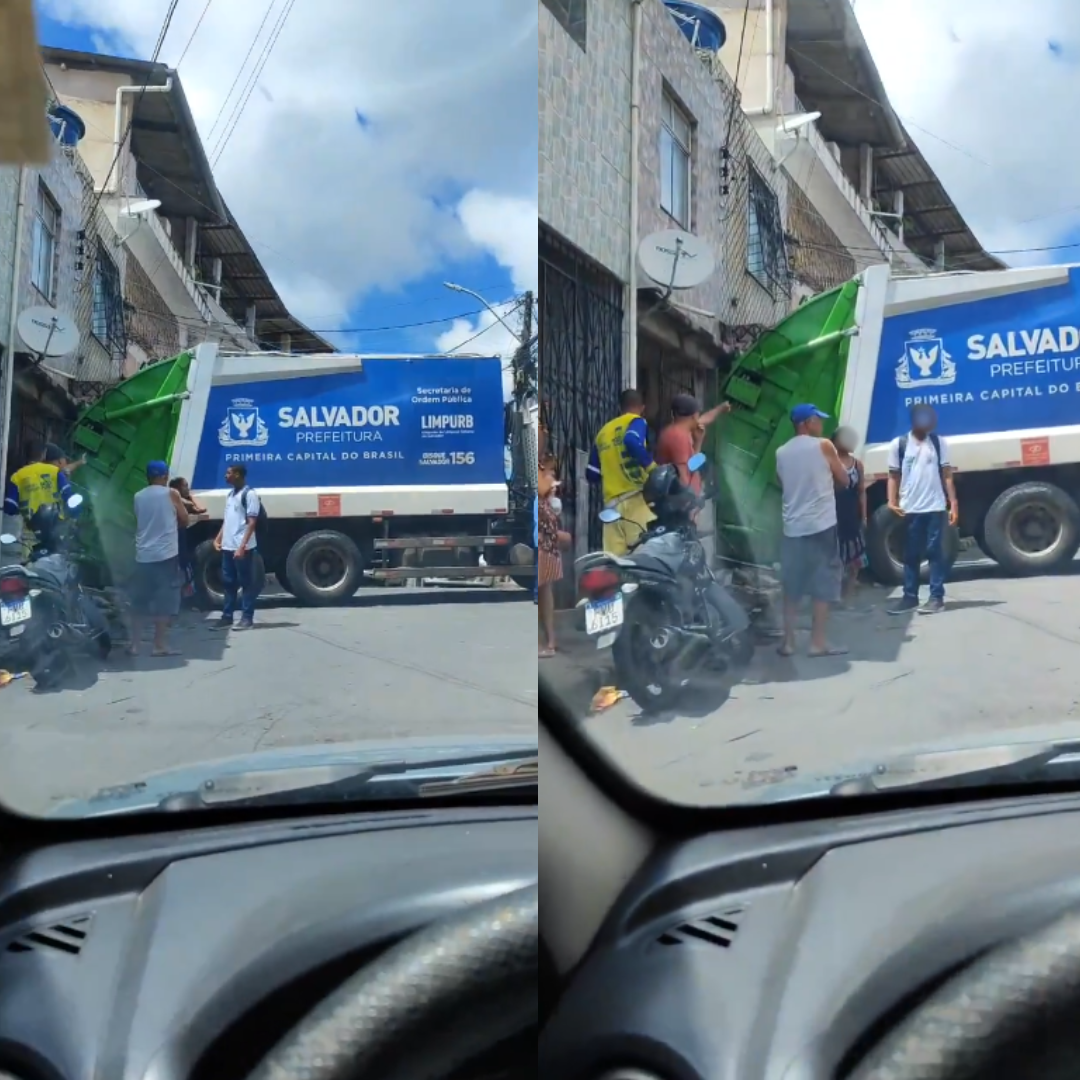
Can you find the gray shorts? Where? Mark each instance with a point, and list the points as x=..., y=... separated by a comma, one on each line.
x=811, y=566
x=156, y=589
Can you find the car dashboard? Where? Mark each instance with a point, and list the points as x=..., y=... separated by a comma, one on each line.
x=187, y=955
x=786, y=952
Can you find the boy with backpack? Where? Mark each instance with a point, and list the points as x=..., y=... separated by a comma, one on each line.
x=238, y=540
x=922, y=492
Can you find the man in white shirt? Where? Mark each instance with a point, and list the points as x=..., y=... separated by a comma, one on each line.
x=921, y=491
x=238, y=544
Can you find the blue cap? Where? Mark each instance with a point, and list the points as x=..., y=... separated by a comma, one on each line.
x=156, y=470
x=801, y=413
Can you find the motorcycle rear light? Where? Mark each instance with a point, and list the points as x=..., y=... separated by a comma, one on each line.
x=13, y=587
x=599, y=582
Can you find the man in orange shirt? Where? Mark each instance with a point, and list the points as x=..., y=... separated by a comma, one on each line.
x=682, y=438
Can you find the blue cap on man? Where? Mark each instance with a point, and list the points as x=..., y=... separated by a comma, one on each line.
x=801, y=413
x=156, y=470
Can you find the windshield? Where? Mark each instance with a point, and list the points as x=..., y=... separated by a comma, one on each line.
x=269, y=408
x=854, y=291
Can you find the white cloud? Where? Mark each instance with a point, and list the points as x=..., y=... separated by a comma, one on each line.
x=334, y=207
x=982, y=76
x=506, y=227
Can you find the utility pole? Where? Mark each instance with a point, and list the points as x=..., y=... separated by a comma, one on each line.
x=524, y=439
x=524, y=385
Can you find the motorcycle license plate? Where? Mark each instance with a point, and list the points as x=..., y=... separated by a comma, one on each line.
x=14, y=612
x=603, y=615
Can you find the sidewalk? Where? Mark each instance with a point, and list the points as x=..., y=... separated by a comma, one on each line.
x=578, y=669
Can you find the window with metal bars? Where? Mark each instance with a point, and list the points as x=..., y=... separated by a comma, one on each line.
x=108, y=315
x=766, y=253
x=572, y=16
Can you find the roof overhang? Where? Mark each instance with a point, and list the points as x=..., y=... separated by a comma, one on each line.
x=836, y=75
x=172, y=162
x=933, y=224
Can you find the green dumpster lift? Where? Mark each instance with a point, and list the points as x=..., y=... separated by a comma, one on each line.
x=802, y=359
x=134, y=423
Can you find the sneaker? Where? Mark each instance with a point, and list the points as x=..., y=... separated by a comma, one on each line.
x=906, y=604
x=932, y=607
x=245, y=624
x=222, y=624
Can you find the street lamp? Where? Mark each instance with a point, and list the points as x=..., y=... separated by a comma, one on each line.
x=515, y=334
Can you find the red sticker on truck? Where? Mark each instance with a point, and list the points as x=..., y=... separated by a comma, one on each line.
x=329, y=506
x=1035, y=451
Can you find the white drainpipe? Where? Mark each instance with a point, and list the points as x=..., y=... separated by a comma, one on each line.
x=113, y=186
x=8, y=371
x=635, y=166
x=770, y=65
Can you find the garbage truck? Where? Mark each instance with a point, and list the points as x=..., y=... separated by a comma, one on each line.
x=995, y=353
x=369, y=468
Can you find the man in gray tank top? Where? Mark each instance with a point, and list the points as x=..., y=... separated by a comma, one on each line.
x=810, y=471
x=159, y=515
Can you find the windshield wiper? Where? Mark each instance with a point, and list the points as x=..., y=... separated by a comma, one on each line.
x=1008, y=763
x=384, y=780
x=501, y=778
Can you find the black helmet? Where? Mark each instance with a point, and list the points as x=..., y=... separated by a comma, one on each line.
x=665, y=492
x=660, y=484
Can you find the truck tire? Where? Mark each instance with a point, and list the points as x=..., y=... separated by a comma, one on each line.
x=207, y=565
x=1032, y=528
x=885, y=547
x=324, y=568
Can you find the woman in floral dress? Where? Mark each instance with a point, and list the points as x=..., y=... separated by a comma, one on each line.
x=551, y=539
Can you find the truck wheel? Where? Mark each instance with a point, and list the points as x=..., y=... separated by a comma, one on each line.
x=885, y=547
x=208, y=587
x=1032, y=528
x=324, y=568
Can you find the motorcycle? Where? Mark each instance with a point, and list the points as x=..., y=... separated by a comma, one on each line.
x=45, y=614
x=660, y=609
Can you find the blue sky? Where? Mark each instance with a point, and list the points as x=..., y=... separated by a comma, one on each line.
x=416, y=309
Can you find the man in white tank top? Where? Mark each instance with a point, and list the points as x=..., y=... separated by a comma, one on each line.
x=159, y=515
x=810, y=471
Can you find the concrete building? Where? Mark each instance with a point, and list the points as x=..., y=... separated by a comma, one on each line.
x=861, y=190
x=190, y=274
x=613, y=170
x=69, y=261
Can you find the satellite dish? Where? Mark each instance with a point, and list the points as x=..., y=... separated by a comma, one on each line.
x=676, y=259
x=47, y=332
x=140, y=206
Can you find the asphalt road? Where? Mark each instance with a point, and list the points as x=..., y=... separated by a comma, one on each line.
x=1002, y=657
x=393, y=663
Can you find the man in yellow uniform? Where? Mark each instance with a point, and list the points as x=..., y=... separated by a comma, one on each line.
x=620, y=462
x=41, y=482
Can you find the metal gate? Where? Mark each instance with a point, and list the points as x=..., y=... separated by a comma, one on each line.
x=581, y=370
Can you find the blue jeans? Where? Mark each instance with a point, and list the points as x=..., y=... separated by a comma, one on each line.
x=238, y=575
x=925, y=539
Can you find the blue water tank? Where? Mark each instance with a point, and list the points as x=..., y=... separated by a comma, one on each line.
x=703, y=28
x=67, y=125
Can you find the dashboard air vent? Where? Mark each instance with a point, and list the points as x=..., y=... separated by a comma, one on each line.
x=66, y=937
x=712, y=930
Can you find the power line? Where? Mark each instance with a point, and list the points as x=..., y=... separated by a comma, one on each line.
x=243, y=64
x=135, y=108
x=198, y=23
x=256, y=74
x=926, y=131
x=490, y=326
x=193, y=321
